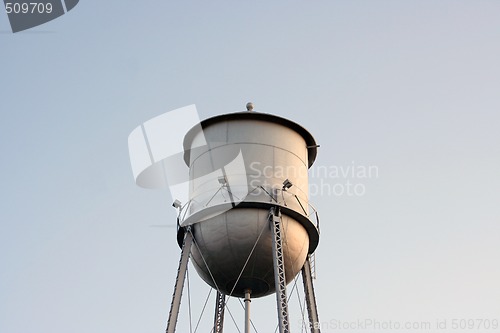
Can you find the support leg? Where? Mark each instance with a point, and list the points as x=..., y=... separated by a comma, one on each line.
x=312, y=309
x=279, y=271
x=179, y=283
x=220, y=305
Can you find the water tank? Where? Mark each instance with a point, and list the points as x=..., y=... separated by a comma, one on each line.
x=240, y=166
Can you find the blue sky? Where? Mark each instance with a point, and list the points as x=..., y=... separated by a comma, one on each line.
x=411, y=87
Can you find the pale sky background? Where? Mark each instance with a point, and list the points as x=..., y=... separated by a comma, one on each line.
x=412, y=87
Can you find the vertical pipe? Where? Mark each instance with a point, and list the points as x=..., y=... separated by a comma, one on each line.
x=247, y=310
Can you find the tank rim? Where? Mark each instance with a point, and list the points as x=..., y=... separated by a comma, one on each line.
x=312, y=147
x=311, y=229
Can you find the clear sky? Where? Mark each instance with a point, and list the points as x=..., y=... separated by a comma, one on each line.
x=410, y=87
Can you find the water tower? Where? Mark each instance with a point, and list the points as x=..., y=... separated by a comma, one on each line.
x=248, y=226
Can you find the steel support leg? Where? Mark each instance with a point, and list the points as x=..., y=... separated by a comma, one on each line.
x=312, y=309
x=279, y=271
x=220, y=305
x=179, y=283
